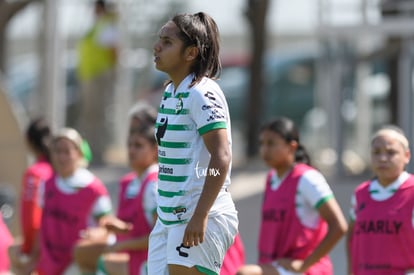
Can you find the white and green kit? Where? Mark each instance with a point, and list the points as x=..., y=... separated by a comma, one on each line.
x=184, y=116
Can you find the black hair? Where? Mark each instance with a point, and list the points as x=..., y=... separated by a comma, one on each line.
x=100, y=3
x=200, y=30
x=286, y=128
x=145, y=130
x=38, y=135
x=143, y=112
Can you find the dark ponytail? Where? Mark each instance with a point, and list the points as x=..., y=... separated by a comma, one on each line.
x=286, y=128
x=301, y=155
x=38, y=135
x=201, y=31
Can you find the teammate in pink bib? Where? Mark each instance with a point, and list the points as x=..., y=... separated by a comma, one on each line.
x=293, y=239
x=24, y=252
x=72, y=200
x=381, y=236
x=301, y=220
x=64, y=216
x=131, y=210
x=126, y=254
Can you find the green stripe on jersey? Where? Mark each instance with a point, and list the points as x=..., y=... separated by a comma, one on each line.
x=323, y=200
x=182, y=95
x=172, y=178
x=212, y=126
x=169, y=194
x=174, y=161
x=171, y=144
x=173, y=111
x=172, y=222
x=177, y=127
x=100, y=215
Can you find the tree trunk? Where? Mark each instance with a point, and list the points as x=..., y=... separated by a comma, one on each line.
x=389, y=9
x=394, y=71
x=3, y=60
x=7, y=11
x=256, y=15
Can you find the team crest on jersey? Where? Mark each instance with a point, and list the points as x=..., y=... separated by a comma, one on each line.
x=180, y=105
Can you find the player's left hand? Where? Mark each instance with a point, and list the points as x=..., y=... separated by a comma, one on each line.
x=195, y=230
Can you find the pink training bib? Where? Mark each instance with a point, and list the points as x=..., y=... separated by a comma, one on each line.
x=383, y=226
x=131, y=210
x=282, y=235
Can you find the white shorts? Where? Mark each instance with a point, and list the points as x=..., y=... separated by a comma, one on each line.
x=165, y=246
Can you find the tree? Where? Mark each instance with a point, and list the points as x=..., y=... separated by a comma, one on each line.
x=7, y=10
x=392, y=9
x=256, y=15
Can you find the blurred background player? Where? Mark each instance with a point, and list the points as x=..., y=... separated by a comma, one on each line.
x=301, y=219
x=72, y=200
x=23, y=254
x=381, y=235
x=97, y=55
x=136, y=213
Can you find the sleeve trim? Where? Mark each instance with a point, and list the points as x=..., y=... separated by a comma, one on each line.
x=102, y=214
x=323, y=200
x=212, y=126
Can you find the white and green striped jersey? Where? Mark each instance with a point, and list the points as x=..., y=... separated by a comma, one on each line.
x=183, y=117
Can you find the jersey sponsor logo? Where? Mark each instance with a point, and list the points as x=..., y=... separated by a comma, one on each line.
x=274, y=215
x=381, y=266
x=61, y=215
x=161, y=129
x=217, y=264
x=215, y=114
x=210, y=95
x=211, y=106
x=166, y=170
x=180, y=249
x=361, y=207
x=378, y=227
x=161, y=153
x=178, y=212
